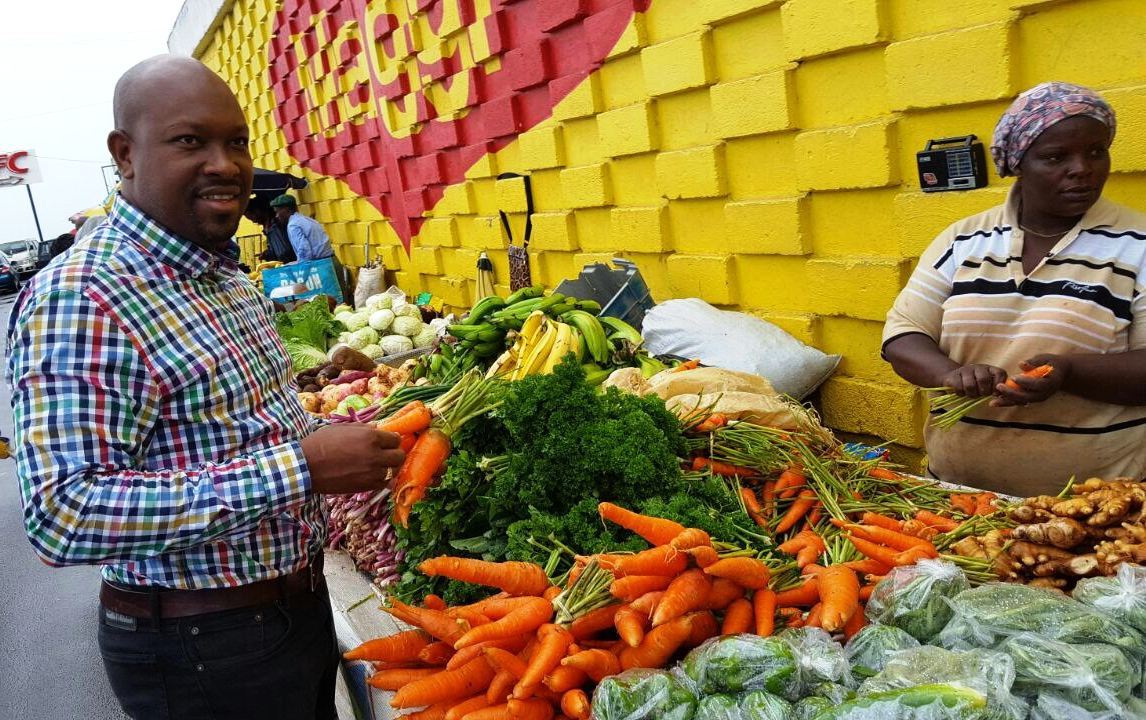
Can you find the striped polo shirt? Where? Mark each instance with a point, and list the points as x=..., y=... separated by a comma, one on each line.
x=969, y=293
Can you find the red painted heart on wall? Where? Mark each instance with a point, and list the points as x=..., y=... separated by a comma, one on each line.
x=399, y=99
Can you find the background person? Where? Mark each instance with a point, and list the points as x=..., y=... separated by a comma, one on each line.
x=187, y=467
x=1054, y=276
x=309, y=240
x=278, y=247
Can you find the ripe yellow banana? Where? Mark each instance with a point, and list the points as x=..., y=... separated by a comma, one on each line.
x=535, y=360
x=562, y=346
x=532, y=324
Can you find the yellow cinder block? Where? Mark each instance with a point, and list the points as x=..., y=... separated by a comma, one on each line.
x=628, y=130
x=915, y=129
x=582, y=142
x=761, y=166
x=654, y=271
x=550, y=268
x=622, y=81
x=854, y=221
x=697, y=226
x=760, y=104
x=868, y=149
x=749, y=45
x=632, y=39
x=681, y=64
x=641, y=229
x=631, y=180
x=684, y=120
x=428, y=260
x=461, y=262
x=392, y=256
x=1128, y=189
x=920, y=73
x=858, y=287
x=586, y=186
x=554, y=231
x=842, y=89
x=1129, y=149
x=456, y=293
x=921, y=216
x=768, y=227
x=541, y=148
x=859, y=406
x=511, y=195
x=858, y=343
x=693, y=173
x=773, y=283
x=709, y=277
x=803, y=327
x=442, y=232
x=547, y=193
x=910, y=19
x=409, y=280
x=583, y=101
x=486, y=233
x=457, y=200
x=594, y=230
x=819, y=27
x=1058, y=43
x=485, y=167
x=580, y=260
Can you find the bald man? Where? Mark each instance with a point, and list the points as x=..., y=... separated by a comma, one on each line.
x=159, y=434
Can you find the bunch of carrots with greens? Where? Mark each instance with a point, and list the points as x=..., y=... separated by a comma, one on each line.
x=955, y=407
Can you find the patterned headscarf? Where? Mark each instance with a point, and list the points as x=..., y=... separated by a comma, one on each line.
x=1035, y=111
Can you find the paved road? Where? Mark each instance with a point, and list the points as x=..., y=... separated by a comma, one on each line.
x=49, y=662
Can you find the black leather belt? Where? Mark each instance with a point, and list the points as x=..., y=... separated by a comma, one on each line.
x=157, y=604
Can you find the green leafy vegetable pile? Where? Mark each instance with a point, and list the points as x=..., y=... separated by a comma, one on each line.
x=311, y=323
x=524, y=484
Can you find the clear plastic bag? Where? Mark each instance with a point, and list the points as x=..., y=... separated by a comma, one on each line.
x=718, y=707
x=921, y=702
x=985, y=615
x=736, y=663
x=1094, y=676
x=1051, y=706
x=763, y=705
x=984, y=671
x=810, y=708
x=819, y=659
x=914, y=598
x=869, y=650
x=1123, y=596
x=643, y=695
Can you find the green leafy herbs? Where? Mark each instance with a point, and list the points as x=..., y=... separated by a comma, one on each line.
x=526, y=481
x=312, y=323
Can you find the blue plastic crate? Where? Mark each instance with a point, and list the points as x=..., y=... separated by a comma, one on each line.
x=622, y=292
x=317, y=275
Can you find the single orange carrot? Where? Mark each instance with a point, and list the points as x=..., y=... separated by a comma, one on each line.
x=434, y=602
x=746, y=572
x=943, y=524
x=422, y=463
x=792, y=617
x=919, y=529
x=768, y=500
x=702, y=626
x=790, y=482
x=503, y=660
x=687, y=592
x=529, y=709
x=713, y=422
x=805, y=595
x=867, y=565
x=551, y=593
x=575, y=704
x=597, y=664
x=865, y=592
x=658, y=645
x=687, y=365
x=752, y=507
x=812, y=519
x=525, y=619
x=466, y=681
x=881, y=473
x=798, y=509
x=657, y=531
x=435, y=622
x=407, y=443
x=690, y=538
x=631, y=625
x=703, y=555
x=464, y=655
x=400, y=648
x=883, y=521
x=855, y=624
x=722, y=469
x=647, y=603
x=515, y=578
x=839, y=596
x=467, y=706
x=436, y=653
x=562, y=679
x=632, y=587
x=764, y=612
x=500, y=687
x=412, y=418
x=914, y=555
x=738, y=618
x=660, y=560
x=815, y=616
x=875, y=551
x=437, y=711
x=394, y=678
x=553, y=641
x=595, y=621
x=963, y=502
x=491, y=712
x=890, y=538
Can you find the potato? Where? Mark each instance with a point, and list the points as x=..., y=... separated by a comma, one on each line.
x=708, y=380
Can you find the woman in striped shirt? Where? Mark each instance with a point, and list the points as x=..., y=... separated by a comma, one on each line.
x=1053, y=276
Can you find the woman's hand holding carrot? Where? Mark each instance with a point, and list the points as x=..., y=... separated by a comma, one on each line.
x=1042, y=376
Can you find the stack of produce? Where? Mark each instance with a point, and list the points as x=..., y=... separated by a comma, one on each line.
x=307, y=332
x=1089, y=530
x=382, y=328
x=530, y=333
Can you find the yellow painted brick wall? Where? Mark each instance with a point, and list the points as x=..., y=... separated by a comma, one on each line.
x=759, y=154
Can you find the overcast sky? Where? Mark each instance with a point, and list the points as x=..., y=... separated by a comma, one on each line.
x=61, y=61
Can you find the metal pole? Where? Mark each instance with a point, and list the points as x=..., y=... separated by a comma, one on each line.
x=34, y=215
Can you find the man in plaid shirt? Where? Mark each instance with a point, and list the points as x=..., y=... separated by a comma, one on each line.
x=158, y=432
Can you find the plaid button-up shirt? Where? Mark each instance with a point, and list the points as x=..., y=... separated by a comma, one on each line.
x=157, y=428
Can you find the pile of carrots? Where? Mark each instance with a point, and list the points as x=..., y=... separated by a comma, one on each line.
x=426, y=448
x=509, y=656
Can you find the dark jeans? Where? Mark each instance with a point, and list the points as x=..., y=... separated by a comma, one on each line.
x=277, y=661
